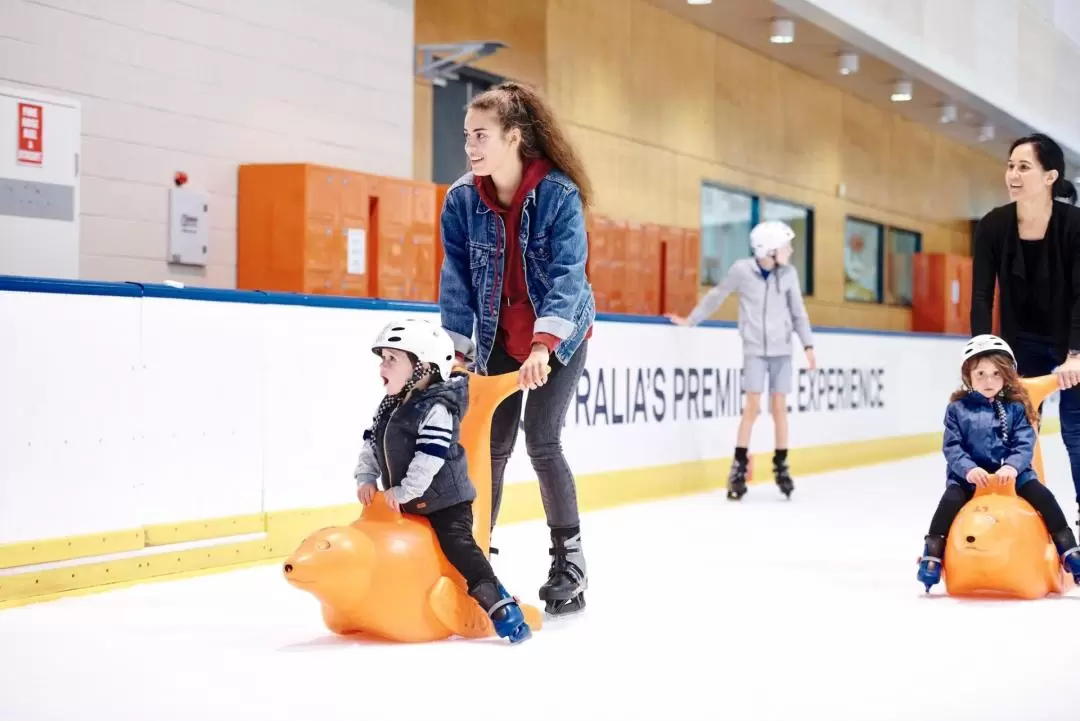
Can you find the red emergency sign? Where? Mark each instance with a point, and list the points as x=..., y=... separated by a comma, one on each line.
x=31, y=127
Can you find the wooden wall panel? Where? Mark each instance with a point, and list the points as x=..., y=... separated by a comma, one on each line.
x=657, y=105
x=589, y=50
x=423, y=137
x=749, y=110
x=812, y=127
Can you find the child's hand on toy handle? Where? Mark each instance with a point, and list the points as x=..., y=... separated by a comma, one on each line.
x=979, y=477
x=391, y=501
x=366, y=492
x=1005, y=474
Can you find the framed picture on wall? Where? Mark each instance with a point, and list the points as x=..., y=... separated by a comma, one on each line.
x=862, y=260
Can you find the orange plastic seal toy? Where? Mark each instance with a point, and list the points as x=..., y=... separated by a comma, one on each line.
x=384, y=574
x=998, y=544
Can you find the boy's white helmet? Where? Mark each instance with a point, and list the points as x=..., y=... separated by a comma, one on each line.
x=986, y=343
x=770, y=236
x=424, y=339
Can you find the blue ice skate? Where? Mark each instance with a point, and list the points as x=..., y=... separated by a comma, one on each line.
x=931, y=562
x=505, y=613
x=1066, y=546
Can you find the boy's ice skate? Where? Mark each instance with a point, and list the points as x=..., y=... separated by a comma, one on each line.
x=505, y=613
x=736, y=483
x=783, y=477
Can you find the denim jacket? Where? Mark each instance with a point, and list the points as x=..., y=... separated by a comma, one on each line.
x=554, y=249
x=975, y=436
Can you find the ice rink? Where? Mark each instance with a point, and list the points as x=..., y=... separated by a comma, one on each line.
x=698, y=609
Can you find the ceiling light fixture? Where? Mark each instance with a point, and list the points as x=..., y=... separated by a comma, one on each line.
x=783, y=31
x=986, y=133
x=698, y=2
x=901, y=91
x=847, y=63
x=948, y=113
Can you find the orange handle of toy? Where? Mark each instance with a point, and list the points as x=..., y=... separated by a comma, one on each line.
x=1039, y=389
x=485, y=395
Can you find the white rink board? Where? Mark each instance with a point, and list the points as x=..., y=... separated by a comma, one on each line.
x=124, y=411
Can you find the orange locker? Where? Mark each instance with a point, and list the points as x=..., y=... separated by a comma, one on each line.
x=641, y=275
x=600, y=267
x=618, y=233
x=649, y=277
x=314, y=229
x=680, y=269
x=303, y=228
x=941, y=293
x=440, y=200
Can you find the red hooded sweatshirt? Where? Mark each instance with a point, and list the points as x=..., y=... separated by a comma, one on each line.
x=516, y=316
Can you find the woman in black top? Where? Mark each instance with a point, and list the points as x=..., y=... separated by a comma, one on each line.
x=1031, y=249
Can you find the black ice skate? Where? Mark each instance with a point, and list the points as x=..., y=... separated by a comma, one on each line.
x=783, y=477
x=564, y=592
x=736, y=482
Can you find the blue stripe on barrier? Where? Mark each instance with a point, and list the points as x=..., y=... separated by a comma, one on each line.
x=71, y=287
x=220, y=295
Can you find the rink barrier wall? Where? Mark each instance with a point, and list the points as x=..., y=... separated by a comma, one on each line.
x=266, y=376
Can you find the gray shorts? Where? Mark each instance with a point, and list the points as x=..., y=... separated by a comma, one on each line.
x=778, y=368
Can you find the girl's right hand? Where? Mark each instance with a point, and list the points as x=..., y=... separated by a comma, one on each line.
x=366, y=493
x=979, y=477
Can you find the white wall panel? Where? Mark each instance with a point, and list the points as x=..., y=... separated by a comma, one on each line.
x=69, y=425
x=119, y=412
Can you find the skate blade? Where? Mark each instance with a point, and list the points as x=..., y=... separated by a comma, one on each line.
x=564, y=609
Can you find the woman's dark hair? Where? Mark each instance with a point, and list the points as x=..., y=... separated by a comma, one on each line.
x=1050, y=157
x=520, y=106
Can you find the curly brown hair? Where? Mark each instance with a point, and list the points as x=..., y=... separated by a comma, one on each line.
x=522, y=107
x=1012, y=391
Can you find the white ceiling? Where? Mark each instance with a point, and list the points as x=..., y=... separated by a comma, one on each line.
x=816, y=50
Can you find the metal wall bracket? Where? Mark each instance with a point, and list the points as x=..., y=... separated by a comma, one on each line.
x=438, y=62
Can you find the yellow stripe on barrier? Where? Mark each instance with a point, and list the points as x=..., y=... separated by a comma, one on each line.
x=165, y=534
x=51, y=550
x=26, y=586
x=286, y=529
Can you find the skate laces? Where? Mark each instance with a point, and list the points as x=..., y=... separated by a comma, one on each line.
x=562, y=563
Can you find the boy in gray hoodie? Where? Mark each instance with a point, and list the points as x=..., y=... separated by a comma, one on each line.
x=770, y=309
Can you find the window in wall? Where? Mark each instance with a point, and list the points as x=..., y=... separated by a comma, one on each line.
x=726, y=219
x=728, y=215
x=801, y=221
x=900, y=266
x=863, y=261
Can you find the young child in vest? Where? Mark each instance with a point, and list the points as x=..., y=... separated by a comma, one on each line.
x=990, y=429
x=770, y=308
x=413, y=448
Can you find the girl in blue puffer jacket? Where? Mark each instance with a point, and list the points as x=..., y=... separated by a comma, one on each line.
x=990, y=429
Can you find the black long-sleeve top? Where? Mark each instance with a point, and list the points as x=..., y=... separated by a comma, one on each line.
x=1051, y=288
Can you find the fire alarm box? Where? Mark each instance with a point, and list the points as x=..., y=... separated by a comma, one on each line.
x=189, y=237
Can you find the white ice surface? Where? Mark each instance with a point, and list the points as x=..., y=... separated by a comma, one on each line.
x=698, y=609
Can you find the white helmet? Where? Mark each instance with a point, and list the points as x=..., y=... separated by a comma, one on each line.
x=986, y=344
x=770, y=236
x=424, y=339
